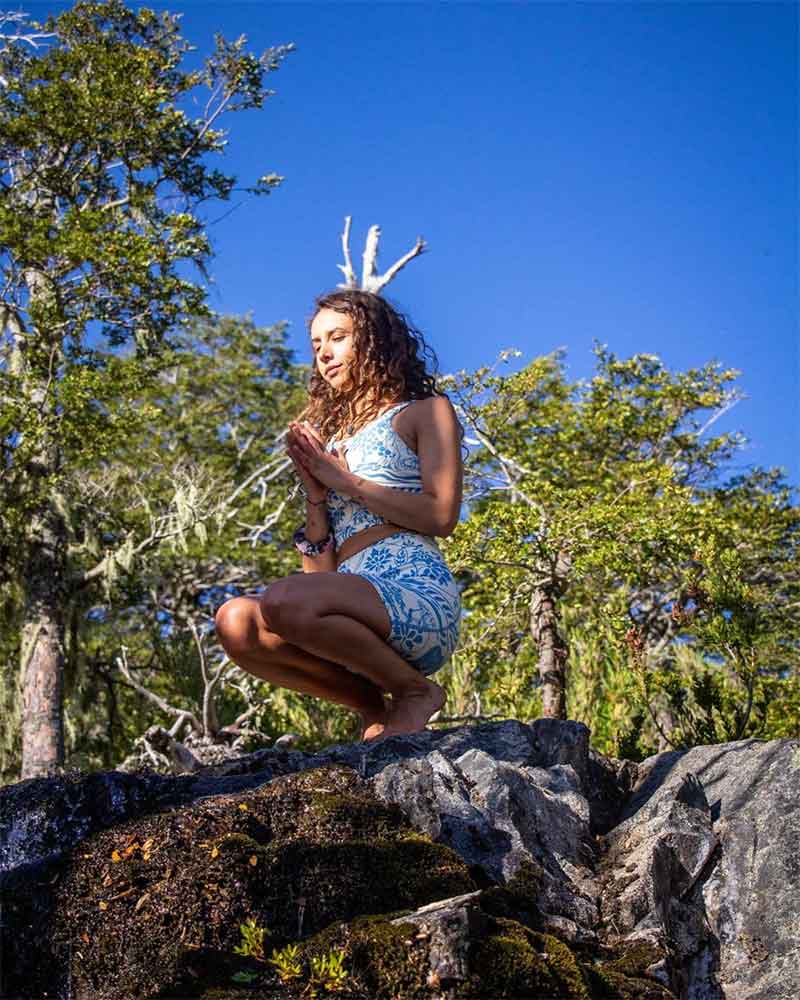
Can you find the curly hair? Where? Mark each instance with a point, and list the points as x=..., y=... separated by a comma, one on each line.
x=387, y=351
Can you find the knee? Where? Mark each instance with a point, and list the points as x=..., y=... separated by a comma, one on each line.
x=283, y=611
x=236, y=625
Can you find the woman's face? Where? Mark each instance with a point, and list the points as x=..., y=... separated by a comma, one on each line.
x=332, y=344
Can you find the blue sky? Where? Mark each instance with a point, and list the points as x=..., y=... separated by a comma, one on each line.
x=619, y=171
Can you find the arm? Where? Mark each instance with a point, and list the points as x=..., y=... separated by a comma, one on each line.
x=435, y=511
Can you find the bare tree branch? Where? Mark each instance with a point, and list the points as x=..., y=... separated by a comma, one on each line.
x=181, y=713
x=371, y=281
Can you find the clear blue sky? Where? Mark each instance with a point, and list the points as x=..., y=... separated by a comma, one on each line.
x=620, y=171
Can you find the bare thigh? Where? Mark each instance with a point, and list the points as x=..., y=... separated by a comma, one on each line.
x=290, y=606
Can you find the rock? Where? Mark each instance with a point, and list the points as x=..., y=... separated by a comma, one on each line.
x=450, y=925
x=501, y=859
x=651, y=863
x=741, y=912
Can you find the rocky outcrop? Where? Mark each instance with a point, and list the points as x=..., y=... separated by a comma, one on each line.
x=506, y=859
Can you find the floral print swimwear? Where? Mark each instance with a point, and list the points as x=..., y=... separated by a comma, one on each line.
x=407, y=569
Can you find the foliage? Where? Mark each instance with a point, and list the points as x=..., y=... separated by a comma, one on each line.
x=252, y=945
x=328, y=972
x=147, y=433
x=105, y=167
x=287, y=963
x=603, y=495
x=220, y=406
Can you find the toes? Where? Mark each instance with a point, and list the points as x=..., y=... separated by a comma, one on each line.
x=376, y=729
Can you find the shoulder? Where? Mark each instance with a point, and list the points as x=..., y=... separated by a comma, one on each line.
x=434, y=415
x=438, y=409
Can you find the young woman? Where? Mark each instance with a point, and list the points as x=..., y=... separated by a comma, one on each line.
x=378, y=451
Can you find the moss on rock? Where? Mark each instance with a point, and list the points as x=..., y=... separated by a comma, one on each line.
x=153, y=907
x=517, y=898
x=515, y=961
x=385, y=961
x=156, y=904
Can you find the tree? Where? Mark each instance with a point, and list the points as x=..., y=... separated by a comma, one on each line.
x=597, y=497
x=102, y=175
x=203, y=467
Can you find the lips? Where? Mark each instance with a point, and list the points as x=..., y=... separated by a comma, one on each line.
x=333, y=368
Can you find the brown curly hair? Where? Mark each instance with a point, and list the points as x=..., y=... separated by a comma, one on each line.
x=387, y=352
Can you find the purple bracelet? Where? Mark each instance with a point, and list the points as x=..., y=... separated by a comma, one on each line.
x=307, y=548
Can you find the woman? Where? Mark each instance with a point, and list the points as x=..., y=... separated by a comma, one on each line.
x=379, y=456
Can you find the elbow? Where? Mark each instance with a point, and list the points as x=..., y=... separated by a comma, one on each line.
x=445, y=526
x=442, y=517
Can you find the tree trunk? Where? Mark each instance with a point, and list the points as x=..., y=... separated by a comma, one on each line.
x=552, y=655
x=666, y=724
x=42, y=653
x=553, y=650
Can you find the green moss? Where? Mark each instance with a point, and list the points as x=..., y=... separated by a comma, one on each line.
x=153, y=907
x=564, y=966
x=155, y=904
x=517, y=899
x=636, y=959
x=384, y=960
x=625, y=976
x=513, y=960
x=607, y=985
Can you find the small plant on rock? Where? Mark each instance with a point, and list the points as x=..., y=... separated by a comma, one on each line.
x=252, y=945
x=287, y=963
x=328, y=971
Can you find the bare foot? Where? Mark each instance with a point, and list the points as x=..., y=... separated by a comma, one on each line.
x=374, y=722
x=411, y=712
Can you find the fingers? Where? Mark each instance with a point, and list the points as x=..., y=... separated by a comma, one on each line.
x=303, y=437
x=295, y=459
x=312, y=431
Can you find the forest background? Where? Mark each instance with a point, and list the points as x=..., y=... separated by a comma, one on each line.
x=620, y=564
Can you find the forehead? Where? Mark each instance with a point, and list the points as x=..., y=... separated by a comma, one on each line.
x=328, y=320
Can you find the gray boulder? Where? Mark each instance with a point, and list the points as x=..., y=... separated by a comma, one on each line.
x=573, y=873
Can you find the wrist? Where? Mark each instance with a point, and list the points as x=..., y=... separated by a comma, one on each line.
x=346, y=484
x=313, y=497
x=309, y=548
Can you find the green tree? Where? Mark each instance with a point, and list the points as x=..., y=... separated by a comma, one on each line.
x=203, y=470
x=102, y=176
x=595, y=499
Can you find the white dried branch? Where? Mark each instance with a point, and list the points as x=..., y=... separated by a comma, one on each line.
x=347, y=267
x=251, y=711
x=254, y=531
x=183, y=718
x=210, y=682
x=33, y=38
x=371, y=281
x=280, y=463
x=122, y=663
x=506, y=464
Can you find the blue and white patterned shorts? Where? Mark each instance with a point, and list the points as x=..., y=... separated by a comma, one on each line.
x=420, y=595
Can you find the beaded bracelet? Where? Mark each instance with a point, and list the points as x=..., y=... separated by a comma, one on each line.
x=306, y=548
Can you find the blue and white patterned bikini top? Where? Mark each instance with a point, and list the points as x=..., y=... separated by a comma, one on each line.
x=378, y=453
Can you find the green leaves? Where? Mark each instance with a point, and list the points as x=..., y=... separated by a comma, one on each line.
x=604, y=494
x=104, y=167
